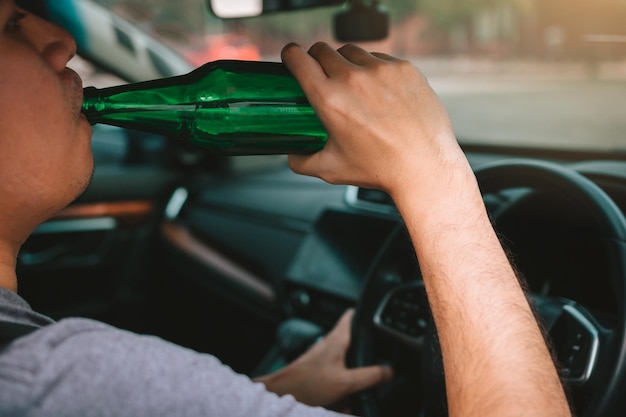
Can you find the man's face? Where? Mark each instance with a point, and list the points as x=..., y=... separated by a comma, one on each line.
x=45, y=142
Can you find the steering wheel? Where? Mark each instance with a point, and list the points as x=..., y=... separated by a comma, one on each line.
x=393, y=317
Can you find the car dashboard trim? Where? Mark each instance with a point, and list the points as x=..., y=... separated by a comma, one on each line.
x=181, y=238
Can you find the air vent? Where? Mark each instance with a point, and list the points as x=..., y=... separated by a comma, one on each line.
x=370, y=200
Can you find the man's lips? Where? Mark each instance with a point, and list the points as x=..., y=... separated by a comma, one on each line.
x=74, y=88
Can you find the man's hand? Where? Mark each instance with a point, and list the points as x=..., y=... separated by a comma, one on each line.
x=319, y=377
x=385, y=123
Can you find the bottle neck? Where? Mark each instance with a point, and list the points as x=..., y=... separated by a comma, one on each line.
x=91, y=101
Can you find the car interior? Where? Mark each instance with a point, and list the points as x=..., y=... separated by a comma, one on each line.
x=241, y=258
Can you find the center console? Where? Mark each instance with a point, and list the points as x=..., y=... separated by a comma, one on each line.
x=332, y=264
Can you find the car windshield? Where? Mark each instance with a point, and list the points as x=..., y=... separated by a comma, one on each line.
x=512, y=73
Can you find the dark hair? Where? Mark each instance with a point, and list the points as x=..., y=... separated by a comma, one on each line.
x=38, y=7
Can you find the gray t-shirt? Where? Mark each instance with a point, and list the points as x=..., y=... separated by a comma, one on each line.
x=83, y=368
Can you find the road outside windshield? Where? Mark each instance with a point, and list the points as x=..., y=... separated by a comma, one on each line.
x=522, y=73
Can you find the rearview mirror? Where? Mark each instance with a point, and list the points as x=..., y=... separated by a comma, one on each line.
x=231, y=9
x=358, y=21
x=228, y=9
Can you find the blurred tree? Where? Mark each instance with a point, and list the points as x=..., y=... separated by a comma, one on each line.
x=447, y=14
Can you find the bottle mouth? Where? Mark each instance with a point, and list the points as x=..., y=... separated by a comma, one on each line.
x=90, y=101
x=89, y=93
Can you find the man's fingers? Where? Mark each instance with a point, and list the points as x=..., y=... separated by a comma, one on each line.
x=341, y=331
x=385, y=57
x=331, y=60
x=360, y=56
x=357, y=55
x=303, y=67
x=370, y=376
x=346, y=319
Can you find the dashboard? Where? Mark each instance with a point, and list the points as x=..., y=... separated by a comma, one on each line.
x=310, y=245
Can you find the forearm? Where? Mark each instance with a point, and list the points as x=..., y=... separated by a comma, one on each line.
x=388, y=130
x=495, y=359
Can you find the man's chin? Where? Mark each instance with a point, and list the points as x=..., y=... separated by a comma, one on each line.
x=86, y=181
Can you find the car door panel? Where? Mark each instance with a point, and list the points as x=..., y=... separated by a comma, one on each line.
x=88, y=260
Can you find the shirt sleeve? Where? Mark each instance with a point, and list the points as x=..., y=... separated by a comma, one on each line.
x=85, y=368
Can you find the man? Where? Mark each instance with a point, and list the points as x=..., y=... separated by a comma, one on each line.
x=387, y=130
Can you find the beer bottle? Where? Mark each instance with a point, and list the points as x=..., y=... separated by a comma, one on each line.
x=227, y=107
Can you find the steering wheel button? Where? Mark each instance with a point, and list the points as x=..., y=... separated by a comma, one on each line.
x=575, y=341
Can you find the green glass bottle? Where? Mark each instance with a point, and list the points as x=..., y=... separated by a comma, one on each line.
x=227, y=107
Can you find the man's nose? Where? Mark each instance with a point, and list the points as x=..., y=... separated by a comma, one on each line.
x=55, y=44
